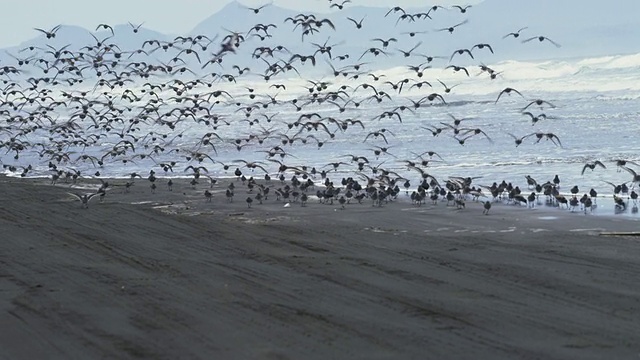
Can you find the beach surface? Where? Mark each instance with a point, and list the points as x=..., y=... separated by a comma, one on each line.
x=169, y=275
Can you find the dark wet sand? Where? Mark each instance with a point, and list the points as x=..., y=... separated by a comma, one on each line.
x=197, y=280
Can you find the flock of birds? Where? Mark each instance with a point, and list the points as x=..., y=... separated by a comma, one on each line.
x=62, y=106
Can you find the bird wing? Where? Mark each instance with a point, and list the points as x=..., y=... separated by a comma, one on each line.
x=553, y=42
x=79, y=197
x=584, y=168
x=630, y=171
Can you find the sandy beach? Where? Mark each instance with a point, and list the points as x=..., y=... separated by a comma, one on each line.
x=171, y=276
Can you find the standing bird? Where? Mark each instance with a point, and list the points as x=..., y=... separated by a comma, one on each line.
x=342, y=201
x=593, y=194
x=487, y=207
x=588, y=204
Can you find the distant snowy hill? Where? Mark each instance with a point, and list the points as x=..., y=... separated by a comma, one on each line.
x=581, y=30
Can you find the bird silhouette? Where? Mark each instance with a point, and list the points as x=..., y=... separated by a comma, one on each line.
x=592, y=166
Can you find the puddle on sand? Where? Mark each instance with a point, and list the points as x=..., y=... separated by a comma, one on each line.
x=548, y=217
x=588, y=230
x=538, y=230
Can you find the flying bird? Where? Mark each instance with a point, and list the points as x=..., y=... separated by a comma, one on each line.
x=541, y=39
x=50, y=34
x=592, y=166
x=507, y=91
x=358, y=24
x=515, y=34
x=85, y=198
x=256, y=10
x=135, y=28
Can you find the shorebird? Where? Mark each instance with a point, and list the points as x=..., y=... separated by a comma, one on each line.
x=135, y=28
x=541, y=39
x=574, y=190
x=340, y=6
x=482, y=46
x=358, y=24
x=487, y=206
x=519, y=140
x=593, y=194
x=531, y=182
x=461, y=8
x=508, y=91
x=515, y=34
x=50, y=34
x=342, y=201
x=620, y=205
x=534, y=118
x=592, y=166
x=450, y=29
x=461, y=52
x=617, y=189
x=458, y=68
x=256, y=10
x=587, y=204
x=538, y=102
x=621, y=162
x=635, y=176
x=85, y=198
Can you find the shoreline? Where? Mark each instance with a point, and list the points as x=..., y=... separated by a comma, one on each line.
x=604, y=207
x=176, y=276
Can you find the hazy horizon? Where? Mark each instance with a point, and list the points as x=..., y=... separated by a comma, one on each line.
x=24, y=19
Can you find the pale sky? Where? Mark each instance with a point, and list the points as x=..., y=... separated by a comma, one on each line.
x=166, y=16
